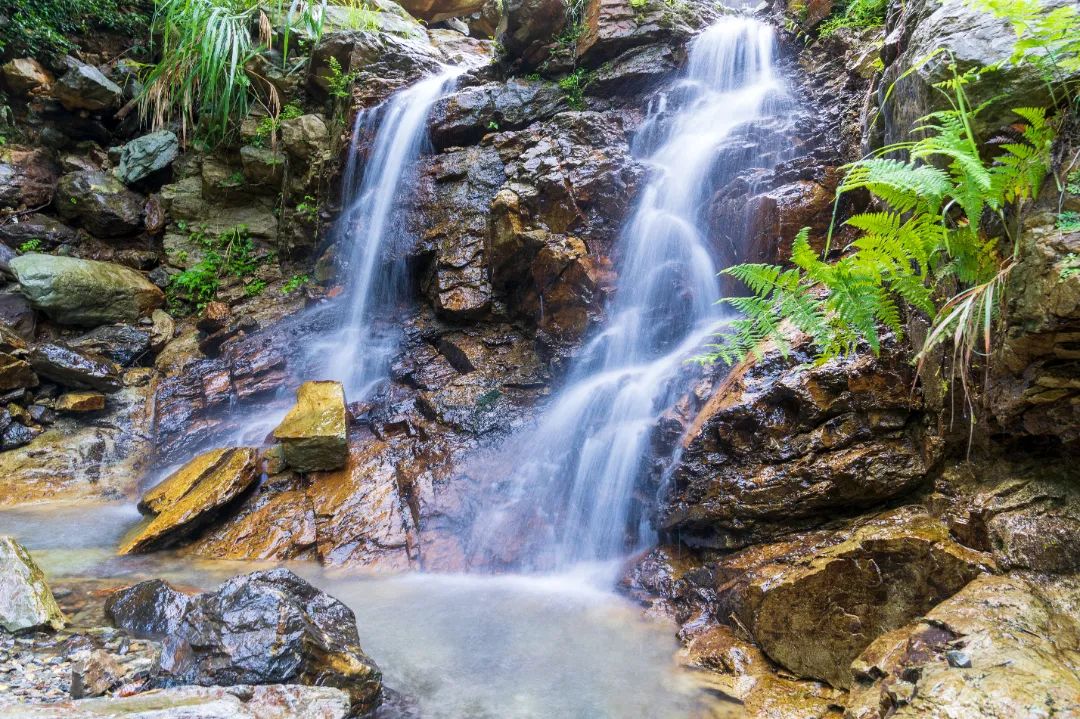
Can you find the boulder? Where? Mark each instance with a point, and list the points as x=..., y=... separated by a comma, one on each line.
x=80, y=402
x=1002, y=647
x=814, y=602
x=27, y=177
x=84, y=87
x=313, y=432
x=24, y=75
x=147, y=156
x=47, y=231
x=267, y=627
x=25, y=599
x=162, y=330
x=262, y=165
x=435, y=10
x=305, y=137
x=191, y=497
x=235, y=702
x=780, y=444
x=150, y=609
x=85, y=292
x=465, y=116
x=75, y=368
x=123, y=344
x=15, y=372
x=100, y=203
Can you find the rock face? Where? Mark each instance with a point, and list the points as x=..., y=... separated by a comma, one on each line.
x=528, y=28
x=191, y=496
x=25, y=599
x=235, y=702
x=84, y=87
x=813, y=603
x=1001, y=647
x=313, y=432
x=146, y=156
x=85, y=292
x=268, y=627
x=100, y=203
x=776, y=449
x=435, y=10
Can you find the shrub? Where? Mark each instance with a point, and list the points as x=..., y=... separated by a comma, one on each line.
x=39, y=28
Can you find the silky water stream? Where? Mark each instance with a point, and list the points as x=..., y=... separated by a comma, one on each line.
x=558, y=644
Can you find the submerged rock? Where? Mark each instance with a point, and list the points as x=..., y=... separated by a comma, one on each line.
x=192, y=496
x=313, y=432
x=1002, y=647
x=235, y=702
x=85, y=292
x=268, y=627
x=25, y=599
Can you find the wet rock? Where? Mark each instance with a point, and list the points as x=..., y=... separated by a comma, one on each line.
x=234, y=702
x=24, y=75
x=528, y=29
x=123, y=344
x=15, y=434
x=305, y=137
x=147, y=156
x=634, y=72
x=95, y=674
x=75, y=368
x=463, y=117
x=270, y=525
x=384, y=62
x=25, y=599
x=80, y=402
x=191, y=497
x=268, y=627
x=1018, y=635
x=776, y=448
x=15, y=373
x=85, y=292
x=27, y=177
x=150, y=610
x=262, y=165
x=46, y=230
x=611, y=27
x=84, y=87
x=313, y=432
x=735, y=669
x=79, y=461
x=214, y=317
x=100, y=203
x=813, y=603
x=162, y=330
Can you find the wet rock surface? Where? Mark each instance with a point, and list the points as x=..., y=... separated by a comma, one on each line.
x=312, y=435
x=25, y=599
x=268, y=627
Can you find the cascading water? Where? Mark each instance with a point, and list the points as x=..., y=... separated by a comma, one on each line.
x=359, y=353
x=579, y=469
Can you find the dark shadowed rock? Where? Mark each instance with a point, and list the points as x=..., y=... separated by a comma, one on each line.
x=47, y=230
x=75, y=368
x=268, y=627
x=463, y=117
x=84, y=87
x=528, y=29
x=123, y=344
x=100, y=203
x=27, y=177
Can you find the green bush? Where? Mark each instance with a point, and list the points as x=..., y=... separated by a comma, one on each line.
x=40, y=28
x=854, y=14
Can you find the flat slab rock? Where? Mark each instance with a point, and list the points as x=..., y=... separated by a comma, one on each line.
x=238, y=702
x=190, y=497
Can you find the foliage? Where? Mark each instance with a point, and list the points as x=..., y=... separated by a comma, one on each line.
x=338, y=83
x=254, y=287
x=1071, y=268
x=1072, y=182
x=360, y=16
x=573, y=86
x=232, y=254
x=943, y=220
x=37, y=28
x=295, y=282
x=308, y=208
x=854, y=14
x=1069, y=221
x=30, y=246
x=267, y=131
x=1049, y=41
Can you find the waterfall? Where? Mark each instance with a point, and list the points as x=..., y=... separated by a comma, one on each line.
x=571, y=497
x=374, y=193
